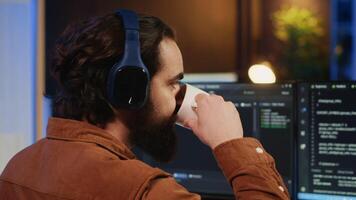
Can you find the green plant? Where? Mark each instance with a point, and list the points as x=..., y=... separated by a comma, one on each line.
x=301, y=33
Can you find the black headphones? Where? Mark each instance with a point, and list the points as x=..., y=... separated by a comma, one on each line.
x=128, y=80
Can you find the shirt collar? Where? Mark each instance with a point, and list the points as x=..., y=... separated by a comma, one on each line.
x=80, y=131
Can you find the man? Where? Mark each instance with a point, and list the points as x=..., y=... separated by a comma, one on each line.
x=86, y=154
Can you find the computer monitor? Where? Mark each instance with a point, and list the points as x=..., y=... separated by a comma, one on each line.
x=327, y=141
x=267, y=113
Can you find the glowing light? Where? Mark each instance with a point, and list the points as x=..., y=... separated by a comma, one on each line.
x=262, y=74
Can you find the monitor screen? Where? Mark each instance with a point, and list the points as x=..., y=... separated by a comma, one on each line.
x=327, y=141
x=267, y=113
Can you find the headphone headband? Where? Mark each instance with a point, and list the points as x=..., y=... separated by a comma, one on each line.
x=129, y=19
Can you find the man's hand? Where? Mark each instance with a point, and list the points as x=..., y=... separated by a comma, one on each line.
x=218, y=121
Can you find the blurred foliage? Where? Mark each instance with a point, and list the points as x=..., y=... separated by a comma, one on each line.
x=301, y=33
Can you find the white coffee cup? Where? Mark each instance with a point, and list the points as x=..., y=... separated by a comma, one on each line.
x=186, y=110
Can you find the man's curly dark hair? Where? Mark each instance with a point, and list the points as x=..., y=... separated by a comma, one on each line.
x=82, y=57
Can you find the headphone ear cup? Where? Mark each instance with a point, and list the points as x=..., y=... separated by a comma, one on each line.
x=131, y=87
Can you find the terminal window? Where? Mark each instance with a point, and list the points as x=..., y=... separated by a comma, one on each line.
x=327, y=141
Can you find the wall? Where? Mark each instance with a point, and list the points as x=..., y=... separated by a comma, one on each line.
x=206, y=29
x=17, y=76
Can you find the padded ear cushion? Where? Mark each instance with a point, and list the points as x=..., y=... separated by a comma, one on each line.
x=131, y=85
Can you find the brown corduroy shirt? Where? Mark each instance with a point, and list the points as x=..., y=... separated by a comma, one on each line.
x=81, y=161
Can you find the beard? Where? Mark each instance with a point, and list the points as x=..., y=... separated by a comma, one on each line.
x=157, y=138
